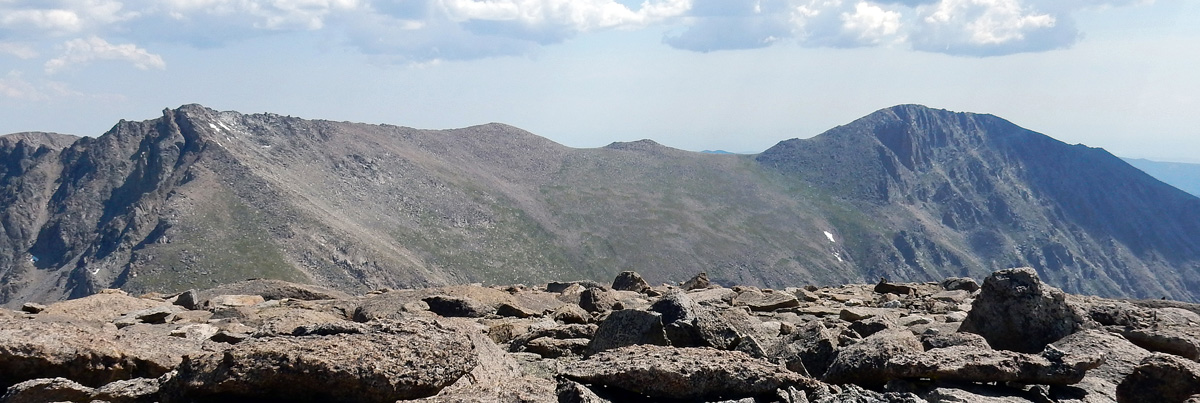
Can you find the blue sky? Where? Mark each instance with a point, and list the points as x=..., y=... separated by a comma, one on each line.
x=691, y=74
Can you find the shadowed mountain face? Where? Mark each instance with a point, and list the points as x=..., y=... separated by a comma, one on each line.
x=964, y=191
x=200, y=197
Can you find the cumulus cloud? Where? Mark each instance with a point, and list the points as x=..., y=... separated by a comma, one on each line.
x=15, y=86
x=991, y=27
x=39, y=18
x=418, y=31
x=84, y=51
x=18, y=50
x=956, y=27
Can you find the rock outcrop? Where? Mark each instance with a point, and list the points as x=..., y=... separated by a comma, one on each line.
x=1016, y=311
x=864, y=343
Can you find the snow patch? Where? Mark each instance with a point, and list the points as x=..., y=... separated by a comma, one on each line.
x=830, y=236
x=838, y=255
x=214, y=127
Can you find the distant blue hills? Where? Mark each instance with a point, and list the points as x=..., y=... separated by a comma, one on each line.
x=1181, y=175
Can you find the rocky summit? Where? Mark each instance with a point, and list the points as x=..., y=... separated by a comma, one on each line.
x=197, y=198
x=1011, y=339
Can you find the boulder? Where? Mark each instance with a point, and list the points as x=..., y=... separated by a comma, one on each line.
x=384, y=361
x=628, y=327
x=569, y=391
x=514, y=311
x=48, y=390
x=1183, y=341
x=449, y=306
x=765, y=300
x=575, y=333
x=1165, y=378
x=597, y=300
x=189, y=299
x=884, y=287
x=223, y=301
x=271, y=290
x=156, y=315
x=959, y=283
x=853, y=314
x=1100, y=383
x=697, y=282
x=103, y=307
x=32, y=307
x=549, y=347
x=945, y=340
x=972, y=364
x=571, y=313
x=496, y=378
x=688, y=324
x=815, y=345
x=875, y=324
x=686, y=373
x=866, y=363
x=284, y=321
x=196, y=331
x=630, y=281
x=1016, y=311
x=85, y=352
x=65, y=390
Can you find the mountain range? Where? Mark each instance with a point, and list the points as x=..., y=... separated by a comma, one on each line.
x=1182, y=175
x=200, y=197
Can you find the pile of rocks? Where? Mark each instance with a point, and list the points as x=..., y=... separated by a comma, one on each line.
x=1012, y=339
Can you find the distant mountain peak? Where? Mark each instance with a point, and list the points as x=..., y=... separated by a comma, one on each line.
x=642, y=145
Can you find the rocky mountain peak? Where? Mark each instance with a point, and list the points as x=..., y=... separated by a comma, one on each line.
x=199, y=197
x=639, y=145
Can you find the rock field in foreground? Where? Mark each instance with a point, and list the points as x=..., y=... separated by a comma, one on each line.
x=1011, y=339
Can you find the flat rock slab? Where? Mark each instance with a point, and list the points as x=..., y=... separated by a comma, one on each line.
x=765, y=300
x=274, y=289
x=686, y=373
x=1163, y=378
x=972, y=364
x=1183, y=341
x=104, y=307
x=381, y=362
x=87, y=353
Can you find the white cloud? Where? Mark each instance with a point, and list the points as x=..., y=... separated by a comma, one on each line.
x=871, y=23
x=60, y=17
x=424, y=30
x=19, y=50
x=992, y=27
x=579, y=15
x=15, y=87
x=261, y=14
x=988, y=22
x=84, y=51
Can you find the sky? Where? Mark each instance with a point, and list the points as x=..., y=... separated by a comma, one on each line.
x=692, y=74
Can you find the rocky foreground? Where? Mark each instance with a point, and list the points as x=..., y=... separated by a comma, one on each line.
x=1013, y=339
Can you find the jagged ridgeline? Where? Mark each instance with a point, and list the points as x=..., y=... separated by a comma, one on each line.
x=199, y=197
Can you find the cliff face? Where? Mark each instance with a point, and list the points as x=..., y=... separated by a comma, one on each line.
x=200, y=197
